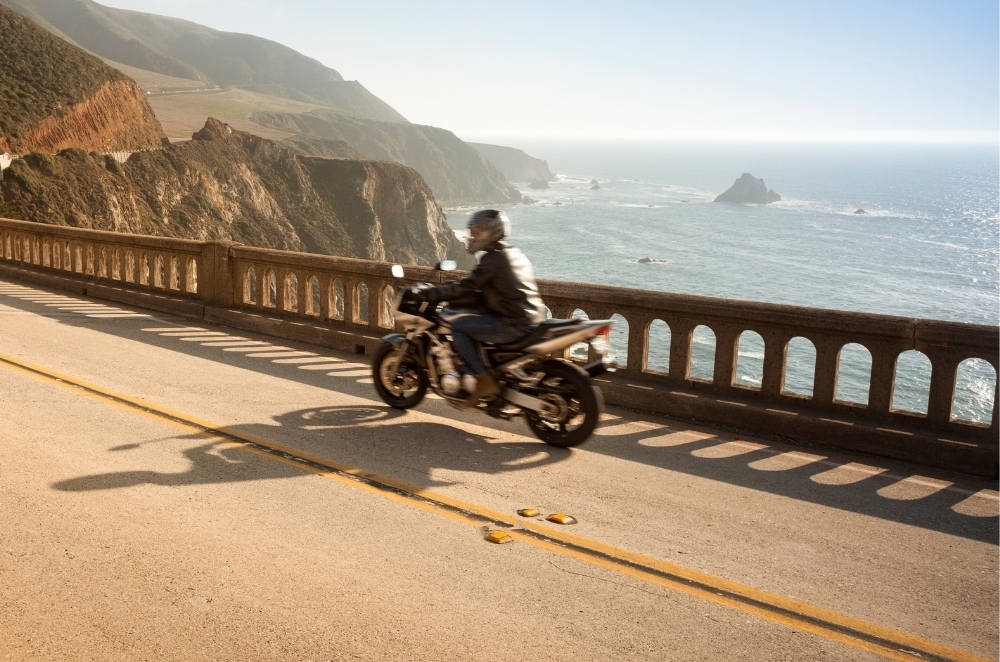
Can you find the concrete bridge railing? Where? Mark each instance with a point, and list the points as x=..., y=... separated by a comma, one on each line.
x=344, y=303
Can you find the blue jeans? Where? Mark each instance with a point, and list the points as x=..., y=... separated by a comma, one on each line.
x=484, y=328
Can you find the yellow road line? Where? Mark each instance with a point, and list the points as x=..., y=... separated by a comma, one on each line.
x=831, y=625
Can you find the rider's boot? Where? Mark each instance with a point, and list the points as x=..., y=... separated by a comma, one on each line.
x=485, y=387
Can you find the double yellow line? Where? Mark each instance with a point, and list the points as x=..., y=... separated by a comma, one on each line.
x=831, y=625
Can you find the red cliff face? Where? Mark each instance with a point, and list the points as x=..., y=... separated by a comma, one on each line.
x=54, y=95
x=117, y=117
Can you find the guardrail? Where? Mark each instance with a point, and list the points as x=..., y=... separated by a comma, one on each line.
x=344, y=303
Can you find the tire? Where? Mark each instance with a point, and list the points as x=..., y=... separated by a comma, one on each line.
x=581, y=401
x=406, y=387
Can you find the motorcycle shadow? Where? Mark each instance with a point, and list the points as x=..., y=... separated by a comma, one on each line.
x=377, y=439
x=384, y=440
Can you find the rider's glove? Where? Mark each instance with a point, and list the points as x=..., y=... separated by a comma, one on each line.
x=418, y=293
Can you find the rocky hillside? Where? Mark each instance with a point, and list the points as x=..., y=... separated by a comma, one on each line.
x=184, y=49
x=227, y=184
x=456, y=172
x=515, y=165
x=312, y=145
x=54, y=95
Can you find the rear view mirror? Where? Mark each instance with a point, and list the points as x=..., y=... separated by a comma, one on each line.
x=397, y=271
x=447, y=265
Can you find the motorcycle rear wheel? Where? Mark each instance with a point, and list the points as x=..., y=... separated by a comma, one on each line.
x=579, y=401
x=406, y=386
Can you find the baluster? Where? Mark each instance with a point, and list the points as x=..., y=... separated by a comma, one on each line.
x=182, y=273
x=303, y=291
x=775, y=348
x=350, y=298
x=996, y=403
x=325, y=283
x=638, y=340
x=944, y=366
x=827, y=366
x=727, y=338
x=680, y=348
x=281, y=301
x=883, y=377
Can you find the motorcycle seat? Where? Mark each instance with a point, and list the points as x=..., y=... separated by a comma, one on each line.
x=536, y=334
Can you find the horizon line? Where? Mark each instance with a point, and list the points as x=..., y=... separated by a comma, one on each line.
x=872, y=137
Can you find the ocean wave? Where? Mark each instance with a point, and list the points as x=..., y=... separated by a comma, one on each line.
x=573, y=179
x=798, y=204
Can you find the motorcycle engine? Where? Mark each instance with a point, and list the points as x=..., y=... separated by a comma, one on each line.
x=450, y=383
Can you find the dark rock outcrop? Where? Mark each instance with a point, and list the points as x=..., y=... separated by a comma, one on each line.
x=54, y=95
x=227, y=184
x=456, y=172
x=515, y=165
x=860, y=211
x=749, y=189
x=538, y=184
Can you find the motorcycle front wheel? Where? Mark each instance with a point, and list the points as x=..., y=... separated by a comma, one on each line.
x=401, y=387
x=578, y=401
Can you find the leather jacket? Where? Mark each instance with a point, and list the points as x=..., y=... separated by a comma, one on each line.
x=502, y=284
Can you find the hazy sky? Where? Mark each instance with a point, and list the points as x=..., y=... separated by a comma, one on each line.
x=845, y=70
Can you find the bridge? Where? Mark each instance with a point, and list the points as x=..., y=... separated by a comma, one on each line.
x=196, y=467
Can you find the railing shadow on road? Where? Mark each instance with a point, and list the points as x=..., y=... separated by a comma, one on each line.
x=937, y=500
x=708, y=455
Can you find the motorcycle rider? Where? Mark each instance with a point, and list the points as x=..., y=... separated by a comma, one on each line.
x=503, y=285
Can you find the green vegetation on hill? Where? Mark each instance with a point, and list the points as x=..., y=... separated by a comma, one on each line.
x=40, y=76
x=316, y=146
x=151, y=81
x=183, y=113
x=183, y=49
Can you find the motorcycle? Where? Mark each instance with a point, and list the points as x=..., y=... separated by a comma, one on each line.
x=556, y=396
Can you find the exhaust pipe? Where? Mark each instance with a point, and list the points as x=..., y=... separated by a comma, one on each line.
x=598, y=367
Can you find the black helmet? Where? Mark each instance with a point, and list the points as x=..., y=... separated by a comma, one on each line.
x=486, y=227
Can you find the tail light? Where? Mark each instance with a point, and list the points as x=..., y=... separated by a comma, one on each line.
x=601, y=342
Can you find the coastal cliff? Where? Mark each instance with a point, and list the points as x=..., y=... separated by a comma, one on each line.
x=515, y=164
x=457, y=173
x=226, y=184
x=54, y=95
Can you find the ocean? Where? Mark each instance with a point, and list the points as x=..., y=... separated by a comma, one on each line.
x=928, y=244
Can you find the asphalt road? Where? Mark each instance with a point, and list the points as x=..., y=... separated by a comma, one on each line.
x=178, y=491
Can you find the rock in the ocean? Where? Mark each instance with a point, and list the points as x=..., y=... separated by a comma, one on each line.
x=538, y=183
x=528, y=201
x=644, y=260
x=860, y=211
x=595, y=187
x=749, y=189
